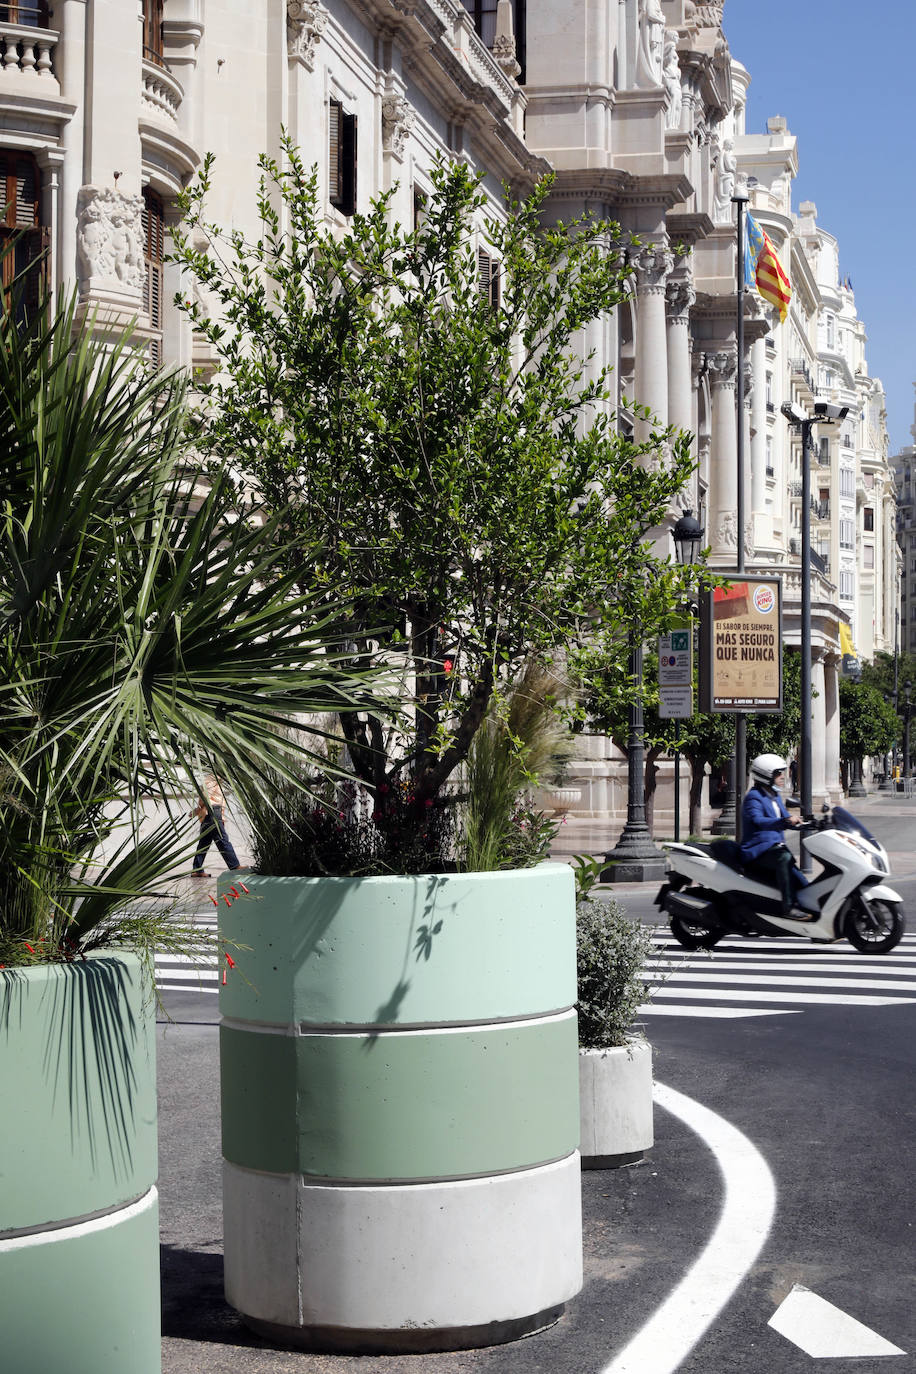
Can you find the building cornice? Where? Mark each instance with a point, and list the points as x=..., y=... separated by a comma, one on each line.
x=612, y=184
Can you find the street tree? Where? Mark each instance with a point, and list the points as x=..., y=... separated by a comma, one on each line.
x=442, y=455
x=868, y=723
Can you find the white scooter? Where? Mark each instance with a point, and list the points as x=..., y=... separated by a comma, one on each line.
x=708, y=894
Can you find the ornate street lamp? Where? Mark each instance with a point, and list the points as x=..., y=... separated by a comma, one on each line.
x=907, y=688
x=688, y=537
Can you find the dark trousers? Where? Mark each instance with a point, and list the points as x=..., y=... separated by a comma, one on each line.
x=212, y=831
x=777, y=863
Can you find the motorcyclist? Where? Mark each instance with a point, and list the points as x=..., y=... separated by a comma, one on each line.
x=763, y=819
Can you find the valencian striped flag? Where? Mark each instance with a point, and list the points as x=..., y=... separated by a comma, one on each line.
x=762, y=268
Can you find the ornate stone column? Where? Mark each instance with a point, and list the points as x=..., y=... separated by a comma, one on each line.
x=819, y=726
x=832, y=726
x=758, y=447
x=652, y=264
x=722, y=529
x=679, y=297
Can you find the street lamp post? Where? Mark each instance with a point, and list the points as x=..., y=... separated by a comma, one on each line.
x=634, y=858
x=688, y=536
x=824, y=412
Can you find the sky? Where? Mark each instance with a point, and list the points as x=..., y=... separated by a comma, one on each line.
x=843, y=74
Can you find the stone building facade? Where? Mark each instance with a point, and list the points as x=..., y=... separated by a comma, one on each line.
x=638, y=106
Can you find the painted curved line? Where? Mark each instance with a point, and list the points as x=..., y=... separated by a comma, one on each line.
x=748, y=1208
x=76, y=1230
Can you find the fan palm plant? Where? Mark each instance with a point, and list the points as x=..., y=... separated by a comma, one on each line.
x=144, y=635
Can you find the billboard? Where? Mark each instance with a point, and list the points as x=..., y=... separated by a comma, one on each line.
x=741, y=638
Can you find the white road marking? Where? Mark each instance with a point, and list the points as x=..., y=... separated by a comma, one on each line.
x=748, y=1207
x=826, y=1332
x=870, y=962
x=815, y=999
x=733, y=1013
x=771, y=980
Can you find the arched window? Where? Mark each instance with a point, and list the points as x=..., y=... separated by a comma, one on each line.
x=153, y=254
x=23, y=238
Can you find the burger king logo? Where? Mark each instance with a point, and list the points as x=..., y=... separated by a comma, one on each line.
x=764, y=599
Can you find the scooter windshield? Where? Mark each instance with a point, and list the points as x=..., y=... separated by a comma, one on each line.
x=844, y=820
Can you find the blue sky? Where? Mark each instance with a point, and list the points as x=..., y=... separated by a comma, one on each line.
x=844, y=75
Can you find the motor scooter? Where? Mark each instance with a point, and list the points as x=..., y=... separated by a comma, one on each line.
x=708, y=893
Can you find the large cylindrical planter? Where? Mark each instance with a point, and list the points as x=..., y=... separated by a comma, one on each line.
x=615, y=1102
x=400, y=1108
x=79, y=1212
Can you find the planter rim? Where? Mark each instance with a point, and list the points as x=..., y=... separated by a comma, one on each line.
x=385, y=879
x=634, y=1042
x=115, y=952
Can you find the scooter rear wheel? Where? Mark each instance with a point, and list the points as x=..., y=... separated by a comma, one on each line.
x=875, y=927
x=693, y=936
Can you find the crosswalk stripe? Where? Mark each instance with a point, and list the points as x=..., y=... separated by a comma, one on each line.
x=777, y=981
x=812, y=998
x=698, y=1010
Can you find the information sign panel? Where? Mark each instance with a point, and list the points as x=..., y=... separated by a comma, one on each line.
x=741, y=657
x=675, y=703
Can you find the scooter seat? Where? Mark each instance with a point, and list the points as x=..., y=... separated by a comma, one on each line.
x=727, y=852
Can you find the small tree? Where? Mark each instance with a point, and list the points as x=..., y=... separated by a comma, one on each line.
x=442, y=459
x=868, y=723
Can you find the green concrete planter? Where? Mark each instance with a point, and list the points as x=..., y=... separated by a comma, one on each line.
x=79, y=1214
x=399, y=1072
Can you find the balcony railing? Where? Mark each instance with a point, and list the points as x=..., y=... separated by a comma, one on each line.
x=162, y=94
x=771, y=408
x=27, y=50
x=822, y=510
x=819, y=562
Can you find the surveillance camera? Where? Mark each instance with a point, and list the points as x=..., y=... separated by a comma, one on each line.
x=826, y=410
x=793, y=413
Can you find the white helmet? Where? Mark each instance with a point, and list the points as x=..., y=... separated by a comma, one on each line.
x=765, y=767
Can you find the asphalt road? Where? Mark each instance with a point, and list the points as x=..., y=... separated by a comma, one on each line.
x=824, y=1092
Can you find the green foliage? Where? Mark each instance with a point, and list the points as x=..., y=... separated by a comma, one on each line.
x=868, y=723
x=611, y=954
x=521, y=742
x=144, y=635
x=447, y=465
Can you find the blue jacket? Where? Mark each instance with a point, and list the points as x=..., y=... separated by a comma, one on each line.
x=763, y=819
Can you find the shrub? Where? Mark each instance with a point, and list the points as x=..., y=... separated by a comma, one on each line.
x=611, y=953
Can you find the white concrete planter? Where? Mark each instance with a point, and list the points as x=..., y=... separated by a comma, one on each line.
x=400, y=1109
x=615, y=1104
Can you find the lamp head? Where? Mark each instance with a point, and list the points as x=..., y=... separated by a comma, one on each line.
x=687, y=535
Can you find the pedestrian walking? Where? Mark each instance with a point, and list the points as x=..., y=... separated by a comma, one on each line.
x=210, y=811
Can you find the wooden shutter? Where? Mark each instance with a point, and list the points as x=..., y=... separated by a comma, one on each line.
x=23, y=241
x=335, y=176
x=153, y=253
x=488, y=279
x=342, y=144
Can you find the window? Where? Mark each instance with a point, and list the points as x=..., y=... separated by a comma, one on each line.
x=153, y=253
x=21, y=233
x=341, y=158
x=152, y=31
x=830, y=331
x=32, y=13
x=847, y=534
x=483, y=12
x=847, y=585
x=868, y=516
x=868, y=555
x=770, y=470
x=824, y=449
x=847, y=482
x=488, y=279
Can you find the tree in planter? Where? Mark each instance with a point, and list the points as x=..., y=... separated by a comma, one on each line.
x=868, y=723
x=141, y=638
x=447, y=453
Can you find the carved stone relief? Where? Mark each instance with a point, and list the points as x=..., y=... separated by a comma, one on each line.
x=652, y=264
x=109, y=239
x=397, y=122
x=305, y=23
x=650, y=63
x=671, y=76
x=726, y=167
x=679, y=297
x=723, y=367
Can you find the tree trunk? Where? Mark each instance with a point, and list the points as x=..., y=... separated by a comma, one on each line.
x=651, y=779
x=697, y=776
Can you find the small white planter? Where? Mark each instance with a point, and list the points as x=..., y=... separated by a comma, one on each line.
x=615, y=1104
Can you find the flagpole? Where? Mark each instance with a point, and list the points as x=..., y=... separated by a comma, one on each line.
x=740, y=199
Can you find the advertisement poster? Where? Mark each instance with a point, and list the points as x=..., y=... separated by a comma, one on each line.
x=742, y=641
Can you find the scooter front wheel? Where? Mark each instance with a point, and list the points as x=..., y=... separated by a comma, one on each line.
x=874, y=927
x=693, y=936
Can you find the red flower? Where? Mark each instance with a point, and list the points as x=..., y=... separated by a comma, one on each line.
x=29, y=947
x=213, y=899
x=243, y=887
x=448, y=664
x=230, y=961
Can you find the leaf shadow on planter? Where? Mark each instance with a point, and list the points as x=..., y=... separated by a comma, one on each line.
x=422, y=945
x=91, y=1043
